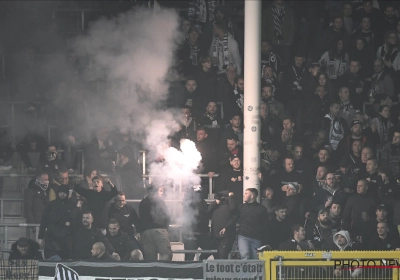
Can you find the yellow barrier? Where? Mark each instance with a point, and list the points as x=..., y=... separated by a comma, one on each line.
x=290, y=265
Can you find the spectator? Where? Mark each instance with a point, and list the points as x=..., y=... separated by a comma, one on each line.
x=155, y=223
x=232, y=148
x=36, y=198
x=100, y=152
x=371, y=12
x=279, y=229
x=348, y=22
x=57, y=226
x=253, y=219
x=190, y=52
x=274, y=107
x=382, y=212
x=88, y=174
x=356, y=84
x=51, y=164
x=212, y=121
x=270, y=58
x=278, y=25
x=355, y=156
x=269, y=77
x=366, y=32
x=85, y=236
x=194, y=99
x=319, y=180
x=335, y=215
x=335, y=127
x=383, y=242
x=125, y=215
x=388, y=52
x=342, y=241
x=267, y=200
x=136, y=255
x=329, y=192
x=381, y=81
x=224, y=49
x=235, y=126
x=120, y=241
x=345, y=177
x=206, y=83
x=199, y=12
x=359, y=52
x=98, y=200
x=232, y=179
x=388, y=190
x=293, y=200
x=62, y=178
x=336, y=60
x=285, y=176
x=226, y=83
x=321, y=233
x=302, y=165
x=297, y=241
x=382, y=124
x=372, y=177
x=347, y=109
x=31, y=143
x=223, y=221
x=233, y=103
x=270, y=163
x=25, y=249
x=390, y=18
x=317, y=107
x=99, y=254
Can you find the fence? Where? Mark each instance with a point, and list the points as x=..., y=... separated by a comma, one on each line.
x=383, y=265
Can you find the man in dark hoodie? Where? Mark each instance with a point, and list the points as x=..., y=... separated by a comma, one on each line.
x=58, y=222
x=98, y=200
x=155, y=221
x=223, y=213
x=279, y=227
x=120, y=241
x=25, y=249
x=36, y=198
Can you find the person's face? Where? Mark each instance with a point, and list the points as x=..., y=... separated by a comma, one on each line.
x=323, y=217
x=382, y=229
x=335, y=210
x=268, y=72
x=219, y=15
x=340, y=45
x=193, y=37
x=120, y=201
x=87, y=220
x=281, y=214
x=269, y=193
x=236, y=121
x=338, y=24
x=367, y=7
x=385, y=112
x=265, y=47
x=378, y=66
x=383, y=175
x=330, y=180
x=341, y=240
x=323, y=155
x=160, y=192
x=347, y=10
x=97, y=185
x=301, y=234
x=356, y=130
x=113, y=229
x=365, y=24
x=186, y=113
x=95, y=252
x=392, y=39
x=298, y=61
x=322, y=80
x=201, y=135
x=360, y=45
x=290, y=192
x=62, y=195
x=207, y=64
x=240, y=84
x=371, y=166
x=396, y=138
x=191, y=85
x=23, y=250
x=247, y=196
x=231, y=144
x=289, y=165
x=356, y=147
x=366, y=154
x=361, y=187
x=266, y=93
x=344, y=94
x=321, y=173
x=334, y=110
x=321, y=137
x=274, y=155
x=344, y=170
x=287, y=124
x=186, y=26
x=354, y=67
x=235, y=163
x=63, y=178
x=44, y=179
x=32, y=146
x=298, y=152
x=286, y=135
x=381, y=214
x=231, y=73
x=211, y=108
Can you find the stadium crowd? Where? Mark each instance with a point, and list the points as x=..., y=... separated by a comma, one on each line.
x=330, y=144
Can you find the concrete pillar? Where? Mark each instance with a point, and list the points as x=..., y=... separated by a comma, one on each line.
x=252, y=94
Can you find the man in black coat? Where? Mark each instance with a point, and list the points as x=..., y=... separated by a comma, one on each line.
x=279, y=229
x=232, y=179
x=383, y=242
x=155, y=221
x=98, y=200
x=297, y=242
x=85, y=236
x=120, y=241
x=99, y=254
x=25, y=249
x=57, y=226
x=36, y=198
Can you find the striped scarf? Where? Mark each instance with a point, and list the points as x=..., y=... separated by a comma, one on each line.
x=278, y=14
x=224, y=48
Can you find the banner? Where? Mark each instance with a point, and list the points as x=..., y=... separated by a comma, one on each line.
x=18, y=269
x=234, y=270
x=120, y=271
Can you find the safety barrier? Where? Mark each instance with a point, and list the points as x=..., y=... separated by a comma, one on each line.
x=286, y=265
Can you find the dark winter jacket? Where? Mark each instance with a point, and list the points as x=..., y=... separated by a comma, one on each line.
x=232, y=181
x=122, y=244
x=83, y=240
x=153, y=213
x=126, y=216
x=33, y=252
x=35, y=201
x=223, y=215
x=253, y=221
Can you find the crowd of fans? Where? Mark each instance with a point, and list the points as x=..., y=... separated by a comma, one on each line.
x=330, y=144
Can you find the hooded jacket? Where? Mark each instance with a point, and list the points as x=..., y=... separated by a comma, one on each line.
x=223, y=215
x=35, y=200
x=346, y=235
